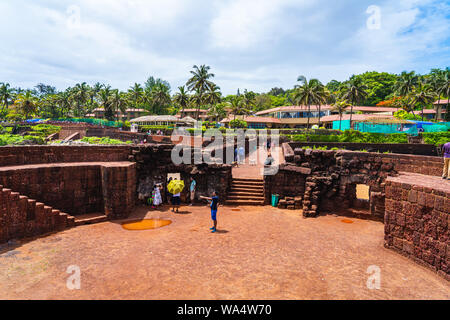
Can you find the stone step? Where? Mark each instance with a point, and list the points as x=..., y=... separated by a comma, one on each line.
x=244, y=186
x=245, y=202
x=90, y=219
x=248, y=180
x=245, y=193
x=247, y=183
x=243, y=197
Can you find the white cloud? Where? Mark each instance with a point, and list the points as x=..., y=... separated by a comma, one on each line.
x=241, y=24
x=249, y=44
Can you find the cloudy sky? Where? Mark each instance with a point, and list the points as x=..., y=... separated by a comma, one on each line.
x=253, y=44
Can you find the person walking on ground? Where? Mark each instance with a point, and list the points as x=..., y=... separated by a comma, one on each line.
x=214, y=205
x=446, y=152
x=193, y=189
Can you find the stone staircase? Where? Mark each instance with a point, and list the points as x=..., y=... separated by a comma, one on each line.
x=246, y=192
x=23, y=217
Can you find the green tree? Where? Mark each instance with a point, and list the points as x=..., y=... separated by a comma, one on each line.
x=340, y=106
x=354, y=91
x=308, y=93
x=405, y=83
x=217, y=111
x=6, y=96
x=160, y=98
x=136, y=94
x=422, y=95
x=80, y=94
x=27, y=103
x=200, y=83
x=181, y=99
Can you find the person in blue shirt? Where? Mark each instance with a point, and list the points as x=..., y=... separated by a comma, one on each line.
x=214, y=205
x=192, y=189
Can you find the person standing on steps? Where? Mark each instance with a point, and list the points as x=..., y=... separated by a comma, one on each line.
x=446, y=152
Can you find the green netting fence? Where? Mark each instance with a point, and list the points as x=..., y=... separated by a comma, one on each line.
x=389, y=128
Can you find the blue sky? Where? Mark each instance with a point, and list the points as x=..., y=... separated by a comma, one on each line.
x=252, y=44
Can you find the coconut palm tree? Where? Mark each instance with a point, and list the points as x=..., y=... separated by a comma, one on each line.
x=213, y=95
x=136, y=94
x=27, y=103
x=181, y=98
x=217, y=111
x=200, y=83
x=354, y=91
x=160, y=98
x=406, y=83
x=62, y=99
x=248, y=100
x=340, y=106
x=6, y=95
x=308, y=93
x=118, y=102
x=80, y=94
x=237, y=107
x=105, y=96
x=443, y=89
x=423, y=94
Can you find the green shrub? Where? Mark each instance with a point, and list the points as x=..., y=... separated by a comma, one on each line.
x=436, y=138
x=104, y=140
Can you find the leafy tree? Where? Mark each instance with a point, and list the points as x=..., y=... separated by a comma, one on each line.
x=340, y=106
x=160, y=98
x=276, y=92
x=406, y=83
x=6, y=96
x=423, y=94
x=309, y=93
x=200, y=83
x=217, y=111
x=181, y=98
x=354, y=91
x=262, y=102
x=27, y=103
x=136, y=94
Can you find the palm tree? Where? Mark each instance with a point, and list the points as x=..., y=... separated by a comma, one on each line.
x=340, y=106
x=80, y=95
x=136, y=94
x=106, y=103
x=213, y=95
x=6, y=94
x=27, y=103
x=181, y=98
x=217, y=111
x=354, y=91
x=237, y=107
x=443, y=89
x=63, y=101
x=248, y=100
x=422, y=94
x=307, y=94
x=200, y=83
x=118, y=102
x=406, y=83
x=160, y=98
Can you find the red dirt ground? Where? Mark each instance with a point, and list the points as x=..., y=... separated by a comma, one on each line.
x=259, y=253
